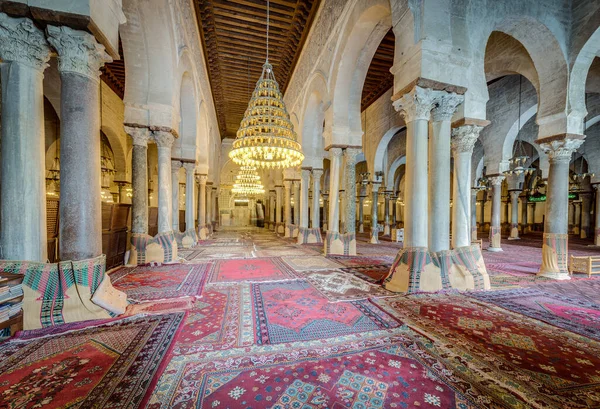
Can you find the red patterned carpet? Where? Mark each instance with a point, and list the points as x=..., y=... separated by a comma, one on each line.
x=252, y=320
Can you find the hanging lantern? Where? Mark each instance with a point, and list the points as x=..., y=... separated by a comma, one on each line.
x=266, y=137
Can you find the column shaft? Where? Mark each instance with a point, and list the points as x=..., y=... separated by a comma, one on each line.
x=175, y=166
x=495, y=235
x=473, y=215
x=514, y=215
x=164, y=141
x=439, y=186
x=297, y=202
x=374, y=217
x=288, y=203
x=139, y=179
x=316, y=203
x=202, y=201
x=279, y=202
x=304, y=182
x=597, y=216
x=584, y=231
x=334, y=187
x=350, y=203
x=189, y=195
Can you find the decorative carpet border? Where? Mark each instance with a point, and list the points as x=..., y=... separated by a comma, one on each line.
x=288, y=273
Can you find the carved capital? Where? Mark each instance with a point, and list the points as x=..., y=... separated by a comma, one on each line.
x=287, y=184
x=317, y=173
x=560, y=150
x=514, y=194
x=175, y=166
x=305, y=175
x=139, y=136
x=189, y=167
x=445, y=106
x=202, y=179
x=335, y=153
x=78, y=51
x=416, y=104
x=163, y=139
x=464, y=138
x=21, y=41
x=496, y=180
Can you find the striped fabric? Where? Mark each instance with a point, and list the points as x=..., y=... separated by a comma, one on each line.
x=559, y=245
x=469, y=257
x=443, y=261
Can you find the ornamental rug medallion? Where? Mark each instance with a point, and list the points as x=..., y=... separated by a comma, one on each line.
x=570, y=313
x=296, y=311
x=543, y=365
x=310, y=263
x=370, y=370
x=146, y=283
x=341, y=286
x=107, y=366
x=250, y=270
x=221, y=319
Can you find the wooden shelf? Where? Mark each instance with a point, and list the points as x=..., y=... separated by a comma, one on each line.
x=17, y=319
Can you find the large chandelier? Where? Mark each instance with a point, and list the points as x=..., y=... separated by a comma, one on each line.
x=266, y=138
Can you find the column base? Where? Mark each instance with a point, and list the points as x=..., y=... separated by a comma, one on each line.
x=494, y=249
x=340, y=244
x=554, y=257
x=307, y=235
x=576, y=230
x=583, y=234
x=324, y=226
x=418, y=270
x=146, y=249
x=189, y=239
x=280, y=228
x=554, y=275
x=361, y=228
x=375, y=236
x=386, y=230
x=203, y=233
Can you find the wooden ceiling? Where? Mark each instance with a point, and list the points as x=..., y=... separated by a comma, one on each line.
x=379, y=78
x=113, y=74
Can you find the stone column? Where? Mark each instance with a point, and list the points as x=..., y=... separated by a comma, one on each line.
x=577, y=224
x=175, y=166
x=415, y=107
x=350, y=155
x=395, y=211
x=208, y=206
x=325, y=210
x=297, y=202
x=278, y=205
x=164, y=140
x=463, y=140
x=24, y=54
x=571, y=217
x=374, y=205
x=386, y=213
x=555, y=245
x=287, y=184
x=514, y=215
x=597, y=216
x=139, y=179
x=524, y=213
x=342, y=207
x=473, y=215
x=495, y=228
x=79, y=60
x=361, y=218
x=586, y=203
x=189, y=195
x=215, y=206
x=316, y=205
x=304, y=182
x=530, y=215
x=439, y=171
x=334, y=187
x=201, y=201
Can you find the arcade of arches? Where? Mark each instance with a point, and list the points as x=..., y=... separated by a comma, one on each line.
x=437, y=247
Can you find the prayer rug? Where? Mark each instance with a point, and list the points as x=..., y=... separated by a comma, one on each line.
x=108, y=366
x=189, y=254
x=566, y=312
x=340, y=286
x=161, y=306
x=225, y=253
x=222, y=319
x=368, y=370
x=516, y=269
x=250, y=270
x=371, y=274
x=368, y=249
x=287, y=251
x=512, y=359
x=146, y=283
x=584, y=289
x=310, y=263
x=295, y=311
x=361, y=261
x=501, y=281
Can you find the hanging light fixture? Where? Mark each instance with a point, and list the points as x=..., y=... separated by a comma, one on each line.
x=266, y=137
x=520, y=157
x=53, y=174
x=248, y=182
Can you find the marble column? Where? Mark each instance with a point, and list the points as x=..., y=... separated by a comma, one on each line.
x=80, y=57
x=189, y=195
x=577, y=223
x=439, y=171
x=394, y=211
x=350, y=155
x=495, y=228
x=24, y=54
x=524, y=213
x=215, y=206
x=514, y=215
x=342, y=207
x=287, y=184
x=334, y=187
x=555, y=244
x=139, y=179
x=297, y=202
x=304, y=182
x=586, y=203
x=201, y=201
x=415, y=107
x=597, y=216
x=386, y=213
x=175, y=166
x=374, y=222
x=463, y=141
x=571, y=217
x=473, y=215
x=208, y=203
x=316, y=204
x=361, y=212
x=530, y=215
x=164, y=140
x=278, y=204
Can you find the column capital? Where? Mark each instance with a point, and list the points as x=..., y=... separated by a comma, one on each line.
x=287, y=184
x=335, y=152
x=496, y=180
x=78, y=51
x=202, y=179
x=446, y=104
x=139, y=136
x=305, y=175
x=175, y=166
x=351, y=154
x=317, y=173
x=163, y=139
x=189, y=167
x=416, y=104
x=21, y=41
x=514, y=194
x=560, y=150
x=464, y=138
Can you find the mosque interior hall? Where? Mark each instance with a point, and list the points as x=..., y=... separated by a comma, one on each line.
x=278, y=204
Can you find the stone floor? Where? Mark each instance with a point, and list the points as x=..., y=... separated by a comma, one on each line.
x=252, y=320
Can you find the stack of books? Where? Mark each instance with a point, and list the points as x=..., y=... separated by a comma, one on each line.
x=8, y=311
x=10, y=292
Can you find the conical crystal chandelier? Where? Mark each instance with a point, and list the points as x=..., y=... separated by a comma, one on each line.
x=266, y=137
x=248, y=182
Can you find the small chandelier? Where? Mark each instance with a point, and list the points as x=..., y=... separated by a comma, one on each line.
x=266, y=138
x=248, y=182
x=519, y=158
